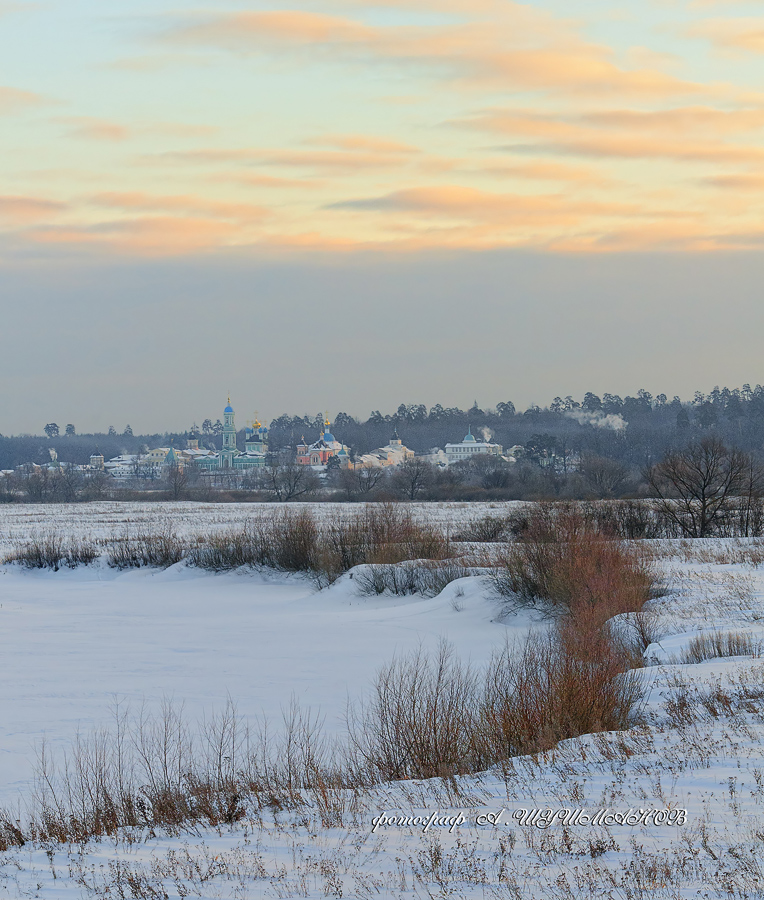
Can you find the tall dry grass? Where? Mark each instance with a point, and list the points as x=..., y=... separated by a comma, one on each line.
x=134, y=550
x=550, y=690
x=566, y=564
x=52, y=550
x=717, y=644
x=301, y=540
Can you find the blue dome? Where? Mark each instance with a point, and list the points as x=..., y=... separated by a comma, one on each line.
x=228, y=408
x=328, y=436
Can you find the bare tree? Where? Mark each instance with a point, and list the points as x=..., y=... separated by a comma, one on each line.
x=37, y=484
x=412, y=477
x=697, y=486
x=177, y=481
x=360, y=480
x=97, y=486
x=67, y=483
x=490, y=471
x=604, y=477
x=287, y=480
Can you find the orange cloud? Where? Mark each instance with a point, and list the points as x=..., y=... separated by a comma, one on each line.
x=12, y=100
x=629, y=135
x=180, y=204
x=156, y=236
x=464, y=203
x=523, y=49
x=746, y=34
x=242, y=31
x=545, y=171
x=746, y=182
x=93, y=129
x=349, y=153
x=355, y=142
x=28, y=209
x=269, y=181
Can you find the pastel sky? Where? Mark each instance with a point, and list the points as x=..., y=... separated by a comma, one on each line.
x=332, y=187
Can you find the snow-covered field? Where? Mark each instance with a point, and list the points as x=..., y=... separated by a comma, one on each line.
x=110, y=519
x=72, y=642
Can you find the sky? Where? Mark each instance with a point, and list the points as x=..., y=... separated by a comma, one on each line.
x=345, y=204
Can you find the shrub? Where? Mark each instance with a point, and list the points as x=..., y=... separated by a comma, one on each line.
x=566, y=564
x=419, y=722
x=549, y=691
x=223, y=550
x=486, y=529
x=424, y=577
x=52, y=551
x=295, y=540
x=160, y=549
x=715, y=644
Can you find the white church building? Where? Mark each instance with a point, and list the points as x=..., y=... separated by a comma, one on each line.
x=470, y=446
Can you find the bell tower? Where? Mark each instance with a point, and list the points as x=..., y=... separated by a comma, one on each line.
x=229, y=437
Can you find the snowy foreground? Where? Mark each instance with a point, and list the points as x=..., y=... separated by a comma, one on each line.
x=673, y=808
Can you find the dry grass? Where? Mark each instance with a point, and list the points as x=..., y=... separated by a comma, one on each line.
x=552, y=689
x=568, y=566
x=51, y=550
x=423, y=577
x=297, y=540
x=426, y=716
x=718, y=644
x=712, y=551
x=486, y=529
x=420, y=719
x=434, y=716
x=159, y=549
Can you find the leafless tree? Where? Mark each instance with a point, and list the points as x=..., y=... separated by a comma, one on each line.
x=412, y=477
x=177, y=481
x=361, y=480
x=287, y=480
x=605, y=478
x=695, y=488
x=97, y=486
x=37, y=484
x=8, y=487
x=490, y=471
x=67, y=483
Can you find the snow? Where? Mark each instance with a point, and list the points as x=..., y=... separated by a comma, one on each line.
x=108, y=518
x=73, y=641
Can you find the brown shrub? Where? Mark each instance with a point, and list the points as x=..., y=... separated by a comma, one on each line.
x=570, y=566
x=133, y=550
x=420, y=720
x=297, y=540
x=549, y=691
x=52, y=551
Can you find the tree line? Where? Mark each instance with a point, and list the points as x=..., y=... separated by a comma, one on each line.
x=634, y=431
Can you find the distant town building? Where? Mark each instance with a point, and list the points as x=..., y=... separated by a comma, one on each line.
x=230, y=457
x=122, y=467
x=319, y=453
x=470, y=446
x=393, y=454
